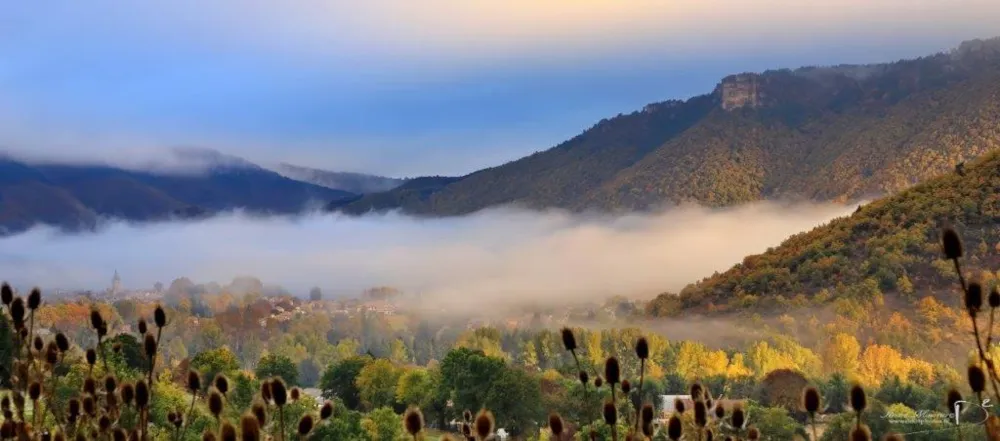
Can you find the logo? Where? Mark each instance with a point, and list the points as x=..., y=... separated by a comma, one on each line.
x=926, y=421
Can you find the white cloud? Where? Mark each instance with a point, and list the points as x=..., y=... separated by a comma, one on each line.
x=494, y=258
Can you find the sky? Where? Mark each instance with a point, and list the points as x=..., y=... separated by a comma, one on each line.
x=404, y=87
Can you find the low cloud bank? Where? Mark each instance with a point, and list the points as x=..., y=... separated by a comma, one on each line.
x=491, y=259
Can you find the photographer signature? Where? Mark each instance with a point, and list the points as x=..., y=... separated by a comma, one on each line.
x=951, y=419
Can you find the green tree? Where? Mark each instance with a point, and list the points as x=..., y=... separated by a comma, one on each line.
x=382, y=424
x=468, y=374
x=414, y=387
x=274, y=365
x=244, y=390
x=309, y=373
x=130, y=350
x=315, y=294
x=514, y=397
x=338, y=381
x=213, y=362
x=775, y=422
x=377, y=383
x=344, y=425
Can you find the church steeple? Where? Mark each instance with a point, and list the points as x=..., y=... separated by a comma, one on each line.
x=116, y=283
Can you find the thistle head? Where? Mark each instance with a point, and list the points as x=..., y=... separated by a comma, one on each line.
x=306, y=425
x=159, y=317
x=6, y=294
x=96, y=321
x=951, y=244
x=700, y=414
x=484, y=424
x=62, y=342
x=91, y=357
x=612, y=371
x=34, y=299
x=326, y=411
x=149, y=346
x=811, y=400
x=642, y=348
x=215, y=403
x=227, y=432
x=193, y=381
x=953, y=398
x=569, y=340
x=556, y=425
x=413, y=421
x=859, y=400
x=609, y=412
x=142, y=330
x=626, y=387
x=738, y=417
x=222, y=384
x=278, y=392
x=249, y=428
x=260, y=413
x=977, y=379
x=974, y=298
x=141, y=394
x=674, y=428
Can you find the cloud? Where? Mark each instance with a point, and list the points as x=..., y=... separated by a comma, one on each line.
x=495, y=258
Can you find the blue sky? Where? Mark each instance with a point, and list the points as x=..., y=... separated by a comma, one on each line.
x=404, y=87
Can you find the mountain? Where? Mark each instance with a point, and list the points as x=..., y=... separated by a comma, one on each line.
x=77, y=196
x=357, y=183
x=822, y=133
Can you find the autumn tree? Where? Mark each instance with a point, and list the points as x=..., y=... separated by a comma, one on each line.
x=377, y=383
x=273, y=365
x=339, y=381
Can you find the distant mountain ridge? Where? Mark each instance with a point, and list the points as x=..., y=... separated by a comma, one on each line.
x=822, y=133
x=78, y=196
x=358, y=183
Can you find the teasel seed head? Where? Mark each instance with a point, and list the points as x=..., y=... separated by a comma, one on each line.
x=62, y=342
x=626, y=386
x=119, y=435
x=52, y=356
x=250, y=428
x=159, y=317
x=227, y=432
x=609, y=412
x=467, y=415
x=753, y=434
x=265, y=391
x=484, y=424
x=110, y=383
x=6, y=294
x=858, y=398
x=260, y=413
x=892, y=437
x=738, y=417
x=34, y=299
x=209, y=435
x=674, y=428
x=5, y=403
x=861, y=433
x=194, y=381
x=128, y=393
x=91, y=357
x=951, y=244
x=215, y=404
x=295, y=394
x=974, y=298
x=89, y=406
x=700, y=414
x=17, y=310
x=149, y=346
x=994, y=297
x=642, y=348
x=104, y=423
x=143, y=328
x=326, y=411
x=74, y=407
x=306, y=425
x=569, y=340
x=141, y=394
x=90, y=386
x=811, y=400
x=38, y=343
x=646, y=413
x=612, y=371
x=584, y=378
x=679, y=406
x=35, y=390
x=556, y=425
x=598, y=382
x=413, y=421
x=467, y=430
x=953, y=398
x=977, y=379
x=96, y=321
x=278, y=391
x=222, y=384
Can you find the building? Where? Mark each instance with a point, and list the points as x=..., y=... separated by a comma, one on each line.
x=116, y=284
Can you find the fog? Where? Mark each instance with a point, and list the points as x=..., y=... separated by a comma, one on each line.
x=495, y=258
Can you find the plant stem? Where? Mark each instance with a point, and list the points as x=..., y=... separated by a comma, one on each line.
x=614, y=402
x=642, y=374
x=281, y=422
x=187, y=420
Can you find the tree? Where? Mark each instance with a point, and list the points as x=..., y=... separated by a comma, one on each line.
x=775, y=422
x=382, y=424
x=469, y=374
x=514, y=398
x=782, y=388
x=841, y=354
x=315, y=294
x=309, y=373
x=339, y=381
x=344, y=425
x=246, y=387
x=273, y=365
x=414, y=387
x=213, y=362
x=377, y=383
x=130, y=351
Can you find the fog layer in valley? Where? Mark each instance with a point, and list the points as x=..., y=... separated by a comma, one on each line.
x=491, y=259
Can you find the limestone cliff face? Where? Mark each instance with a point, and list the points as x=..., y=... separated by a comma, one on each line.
x=742, y=90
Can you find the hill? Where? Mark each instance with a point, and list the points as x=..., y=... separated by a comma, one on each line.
x=358, y=183
x=823, y=133
x=881, y=266
x=77, y=196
